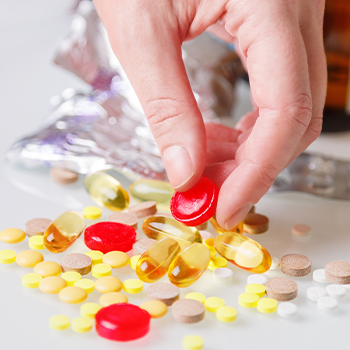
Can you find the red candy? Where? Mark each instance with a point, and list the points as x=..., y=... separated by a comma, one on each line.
x=108, y=236
x=122, y=322
x=197, y=205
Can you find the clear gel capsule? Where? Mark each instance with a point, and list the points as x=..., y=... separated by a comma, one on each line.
x=243, y=252
x=220, y=230
x=155, y=262
x=63, y=231
x=189, y=265
x=159, y=227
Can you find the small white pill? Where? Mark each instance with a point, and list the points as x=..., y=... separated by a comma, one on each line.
x=287, y=309
x=327, y=304
x=346, y=286
x=259, y=279
x=223, y=274
x=319, y=276
x=275, y=263
x=336, y=291
x=315, y=293
x=205, y=235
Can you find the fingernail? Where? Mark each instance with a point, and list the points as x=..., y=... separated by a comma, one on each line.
x=178, y=165
x=237, y=217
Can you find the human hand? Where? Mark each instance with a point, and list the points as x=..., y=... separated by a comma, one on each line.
x=281, y=45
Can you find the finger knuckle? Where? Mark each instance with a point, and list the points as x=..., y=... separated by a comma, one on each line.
x=314, y=129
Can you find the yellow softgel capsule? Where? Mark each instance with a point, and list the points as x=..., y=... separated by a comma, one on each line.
x=220, y=230
x=82, y=325
x=52, y=285
x=155, y=308
x=192, y=342
x=31, y=280
x=12, y=235
x=92, y=213
x=59, y=322
x=71, y=277
x=116, y=259
x=133, y=286
x=101, y=270
x=196, y=296
x=89, y=310
x=86, y=284
x=248, y=300
x=267, y=305
x=7, y=256
x=108, y=284
x=96, y=256
x=213, y=303
x=36, y=242
x=73, y=295
x=216, y=262
x=133, y=261
x=29, y=258
x=48, y=268
x=226, y=314
x=258, y=289
x=112, y=298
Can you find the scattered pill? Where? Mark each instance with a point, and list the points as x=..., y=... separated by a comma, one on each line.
x=315, y=293
x=29, y=258
x=275, y=263
x=31, y=280
x=7, y=256
x=216, y=262
x=255, y=223
x=165, y=292
x=188, y=311
x=52, y=285
x=258, y=289
x=248, y=300
x=48, y=268
x=209, y=242
x=72, y=295
x=281, y=289
x=89, y=310
x=87, y=284
x=133, y=286
x=129, y=219
x=37, y=226
x=267, y=305
x=296, y=265
x=287, y=309
x=141, y=245
x=223, y=274
x=101, y=270
x=77, y=262
x=301, y=230
x=347, y=287
x=144, y=209
x=59, y=322
x=82, y=325
x=226, y=314
x=213, y=303
x=112, y=298
x=108, y=284
x=203, y=226
x=256, y=279
x=36, y=242
x=205, y=235
x=196, y=296
x=327, y=304
x=92, y=213
x=212, y=254
x=155, y=308
x=133, y=261
x=192, y=342
x=96, y=256
x=319, y=276
x=12, y=235
x=336, y=291
x=338, y=272
x=116, y=259
x=63, y=176
x=71, y=277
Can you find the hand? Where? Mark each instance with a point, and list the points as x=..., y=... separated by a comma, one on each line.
x=281, y=45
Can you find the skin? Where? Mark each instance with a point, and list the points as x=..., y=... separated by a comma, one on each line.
x=280, y=44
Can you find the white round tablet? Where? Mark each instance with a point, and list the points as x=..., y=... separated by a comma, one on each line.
x=346, y=286
x=315, y=293
x=319, y=276
x=275, y=263
x=327, y=304
x=336, y=291
x=223, y=274
x=287, y=309
x=205, y=235
x=258, y=279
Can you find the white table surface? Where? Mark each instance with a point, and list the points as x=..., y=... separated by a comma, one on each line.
x=29, y=31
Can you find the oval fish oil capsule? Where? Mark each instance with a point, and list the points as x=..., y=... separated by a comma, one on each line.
x=63, y=231
x=189, y=265
x=159, y=227
x=243, y=252
x=155, y=262
x=220, y=230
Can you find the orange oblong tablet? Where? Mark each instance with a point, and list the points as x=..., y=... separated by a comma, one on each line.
x=29, y=258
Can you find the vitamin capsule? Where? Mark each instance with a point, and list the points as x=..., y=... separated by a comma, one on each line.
x=189, y=265
x=243, y=252
x=159, y=227
x=155, y=262
x=106, y=190
x=63, y=231
x=152, y=190
x=220, y=230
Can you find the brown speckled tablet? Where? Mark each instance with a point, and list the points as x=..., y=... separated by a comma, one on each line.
x=188, y=311
x=125, y=218
x=36, y=227
x=141, y=245
x=202, y=226
x=255, y=223
x=281, y=288
x=63, y=176
x=144, y=209
x=338, y=271
x=301, y=230
x=76, y=262
x=165, y=292
x=252, y=210
x=296, y=265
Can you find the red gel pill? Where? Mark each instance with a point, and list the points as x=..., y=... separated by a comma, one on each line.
x=197, y=205
x=122, y=322
x=108, y=236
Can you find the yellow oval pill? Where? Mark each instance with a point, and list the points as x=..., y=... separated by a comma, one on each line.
x=267, y=305
x=258, y=289
x=101, y=270
x=92, y=213
x=96, y=256
x=12, y=235
x=59, y=322
x=89, y=310
x=134, y=260
x=192, y=342
x=82, y=325
x=212, y=253
x=196, y=296
x=155, y=308
x=48, y=268
x=108, y=284
x=112, y=298
x=71, y=277
x=87, y=284
x=73, y=295
x=133, y=286
x=36, y=242
x=7, y=256
x=116, y=259
x=209, y=242
x=31, y=280
x=29, y=258
x=248, y=300
x=213, y=303
x=216, y=262
x=52, y=285
x=226, y=314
